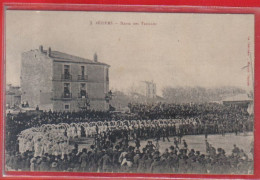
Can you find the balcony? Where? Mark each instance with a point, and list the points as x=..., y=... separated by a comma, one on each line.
x=83, y=95
x=66, y=77
x=66, y=96
x=82, y=77
x=63, y=97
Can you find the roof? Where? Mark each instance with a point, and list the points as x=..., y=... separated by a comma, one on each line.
x=64, y=57
x=239, y=97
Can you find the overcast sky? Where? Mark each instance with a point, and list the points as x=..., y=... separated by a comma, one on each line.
x=205, y=50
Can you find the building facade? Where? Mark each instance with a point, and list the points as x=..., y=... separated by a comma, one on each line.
x=57, y=81
x=13, y=96
x=147, y=89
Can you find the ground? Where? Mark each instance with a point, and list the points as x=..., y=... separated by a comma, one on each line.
x=197, y=142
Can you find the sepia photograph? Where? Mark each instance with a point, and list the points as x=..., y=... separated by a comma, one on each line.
x=129, y=92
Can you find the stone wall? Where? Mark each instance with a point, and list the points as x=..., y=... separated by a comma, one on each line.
x=36, y=78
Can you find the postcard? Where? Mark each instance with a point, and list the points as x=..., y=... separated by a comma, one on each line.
x=129, y=92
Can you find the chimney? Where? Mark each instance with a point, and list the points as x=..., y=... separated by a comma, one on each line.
x=49, y=52
x=41, y=48
x=95, y=57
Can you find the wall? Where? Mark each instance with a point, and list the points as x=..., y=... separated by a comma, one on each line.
x=36, y=79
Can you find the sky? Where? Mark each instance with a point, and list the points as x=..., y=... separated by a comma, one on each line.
x=172, y=49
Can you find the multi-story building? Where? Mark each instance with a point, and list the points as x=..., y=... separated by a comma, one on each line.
x=57, y=81
x=150, y=89
x=147, y=89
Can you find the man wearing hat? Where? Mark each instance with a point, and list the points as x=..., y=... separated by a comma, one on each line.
x=166, y=153
x=156, y=165
x=148, y=163
x=137, y=158
x=105, y=163
x=235, y=150
x=150, y=147
x=44, y=165
x=182, y=168
x=115, y=158
x=83, y=159
x=176, y=142
x=93, y=160
x=197, y=156
x=137, y=143
x=191, y=154
x=185, y=146
x=165, y=132
x=141, y=165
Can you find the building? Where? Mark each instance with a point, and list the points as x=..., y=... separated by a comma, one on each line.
x=58, y=81
x=146, y=89
x=144, y=92
x=242, y=100
x=150, y=89
x=13, y=96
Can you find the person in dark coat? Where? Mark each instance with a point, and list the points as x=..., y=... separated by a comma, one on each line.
x=44, y=165
x=148, y=163
x=176, y=142
x=93, y=161
x=185, y=145
x=115, y=159
x=137, y=143
x=15, y=163
x=165, y=132
x=105, y=163
x=141, y=165
x=156, y=166
x=137, y=158
x=54, y=166
x=65, y=163
x=83, y=159
x=27, y=164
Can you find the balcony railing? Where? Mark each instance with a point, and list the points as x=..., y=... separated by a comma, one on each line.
x=82, y=77
x=66, y=95
x=83, y=96
x=66, y=77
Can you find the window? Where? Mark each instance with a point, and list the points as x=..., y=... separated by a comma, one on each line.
x=66, y=91
x=66, y=106
x=82, y=70
x=83, y=92
x=82, y=73
x=66, y=71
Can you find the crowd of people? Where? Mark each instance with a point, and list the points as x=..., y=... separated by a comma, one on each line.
x=118, y=157
x=43, y=141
